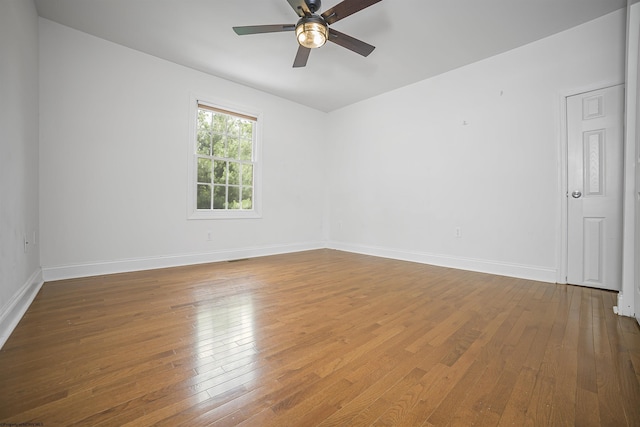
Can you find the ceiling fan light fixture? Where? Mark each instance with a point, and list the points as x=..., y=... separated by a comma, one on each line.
x=312, y=32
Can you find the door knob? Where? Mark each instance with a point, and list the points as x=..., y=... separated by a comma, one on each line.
x=576, y=194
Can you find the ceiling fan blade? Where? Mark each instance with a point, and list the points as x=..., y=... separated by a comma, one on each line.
x=344, y=9
x=300, y=6
x=301, y=57
x=259, y=29
x=358, y=46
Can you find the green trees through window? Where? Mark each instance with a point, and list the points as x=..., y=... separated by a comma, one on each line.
x=225, y=159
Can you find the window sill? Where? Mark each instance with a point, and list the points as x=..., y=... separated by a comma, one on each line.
x=226, y=214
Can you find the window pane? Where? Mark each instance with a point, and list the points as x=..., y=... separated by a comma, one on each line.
x=204, y=143
x=247, y=174
x=234, y=126
x=204, y=132
x=232, y=147
x=219, y=197
x=204, y=196
x=219, y=172
x=234, y=173
x=246, y=129
x=220, y=123
x=204, y=119
x=204, y=170
x=247, y=197
x=245, y=149
x=234, y=197
x=218, y=145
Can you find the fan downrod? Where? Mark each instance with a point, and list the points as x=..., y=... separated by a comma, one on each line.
x=314, y=5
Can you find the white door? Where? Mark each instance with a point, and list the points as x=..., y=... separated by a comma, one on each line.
x=594, y=142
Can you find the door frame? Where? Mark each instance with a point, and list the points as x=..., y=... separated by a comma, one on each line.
x=629, y=298
x=562, y=228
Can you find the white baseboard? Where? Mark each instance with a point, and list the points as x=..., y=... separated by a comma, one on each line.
x=138, y=264
x=625, y=305
x=483, y=266
x=13, y=311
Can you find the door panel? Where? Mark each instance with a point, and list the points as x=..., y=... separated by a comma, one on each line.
x=594, y=124
x=593, y=251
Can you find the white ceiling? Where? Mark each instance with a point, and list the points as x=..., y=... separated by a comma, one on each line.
x=414, y=39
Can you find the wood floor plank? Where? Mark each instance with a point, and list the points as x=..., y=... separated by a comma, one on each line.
x=623, y=340
x=516, y=406
x=319, y=338
x=610, y=408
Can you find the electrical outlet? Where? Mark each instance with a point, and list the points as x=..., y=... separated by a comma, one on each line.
x=458, y=232
x=209, y=236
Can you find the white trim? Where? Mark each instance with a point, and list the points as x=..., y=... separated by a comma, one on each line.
x=529, y=272
x=627, y=298
x=138, y=264
x=562, y=227
x=13, y=311
x=624, y=308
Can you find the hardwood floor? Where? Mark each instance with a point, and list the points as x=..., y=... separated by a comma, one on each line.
x=320, y=338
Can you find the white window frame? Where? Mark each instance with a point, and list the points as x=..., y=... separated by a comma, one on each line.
x=192, y=211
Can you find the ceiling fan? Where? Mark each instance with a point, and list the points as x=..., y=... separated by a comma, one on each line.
x=312, y=30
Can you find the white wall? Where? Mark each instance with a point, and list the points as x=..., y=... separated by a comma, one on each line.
x=19, y=271
x=475, y=148
x=114, y=128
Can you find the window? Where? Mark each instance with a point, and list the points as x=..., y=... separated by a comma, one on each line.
x=224, y=164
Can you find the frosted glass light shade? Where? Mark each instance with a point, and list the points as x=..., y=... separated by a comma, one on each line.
x=312, y=34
